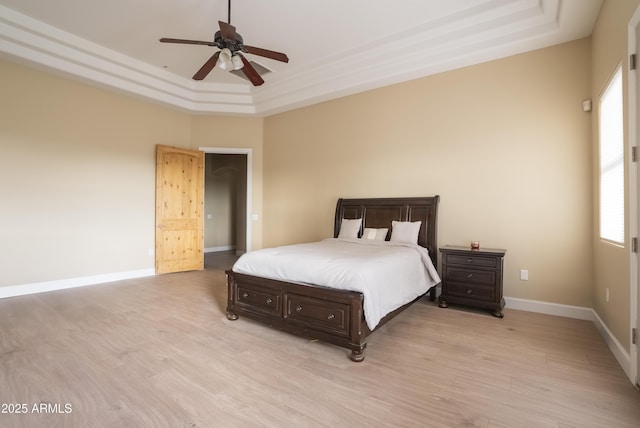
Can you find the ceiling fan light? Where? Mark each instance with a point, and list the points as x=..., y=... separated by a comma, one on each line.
x=225, y=65
x=224, y=60
x=225, y=55
x=237, y=62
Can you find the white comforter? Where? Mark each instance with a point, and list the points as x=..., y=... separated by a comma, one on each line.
x=388, y=274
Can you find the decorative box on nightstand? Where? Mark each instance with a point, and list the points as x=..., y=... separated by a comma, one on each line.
x=472, y=278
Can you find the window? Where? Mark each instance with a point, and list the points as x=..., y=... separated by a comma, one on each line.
x=612, y=162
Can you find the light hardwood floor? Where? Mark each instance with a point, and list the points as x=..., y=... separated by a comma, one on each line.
x=159, y=352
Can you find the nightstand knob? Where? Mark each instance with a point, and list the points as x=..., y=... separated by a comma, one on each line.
x=469, y=291
x=469, y=260
x=269, y=301
x=331, y=316
x=245, y=295
x=470, y=275
x=298, y=309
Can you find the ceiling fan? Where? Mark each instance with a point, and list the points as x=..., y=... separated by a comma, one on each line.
x=230, y=56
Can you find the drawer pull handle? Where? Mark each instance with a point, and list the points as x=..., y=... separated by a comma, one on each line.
x=298, y=308
x=470, y=275
x=469, y=291
x=269, y=301
x=245, y=295
x=331, y=316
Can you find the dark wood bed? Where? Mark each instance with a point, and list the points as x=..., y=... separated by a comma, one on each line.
x=331, y=315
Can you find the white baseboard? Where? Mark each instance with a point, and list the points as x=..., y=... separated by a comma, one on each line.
x=61, y=284
x=220, y=248
x=621, y=354
x=548, y=308
x=576, y=312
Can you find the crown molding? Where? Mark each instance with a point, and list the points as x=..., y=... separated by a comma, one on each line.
x=38, y=43
x=489, y=30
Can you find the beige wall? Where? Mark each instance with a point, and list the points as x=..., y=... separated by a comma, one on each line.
x=505, y=144
x=78, y=174
x=609, y=41
x=77, y=170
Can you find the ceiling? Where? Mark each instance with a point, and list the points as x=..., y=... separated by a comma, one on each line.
x=335, y=47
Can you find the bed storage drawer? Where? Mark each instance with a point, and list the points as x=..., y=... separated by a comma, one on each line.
x=321, y=314
x=263, y=300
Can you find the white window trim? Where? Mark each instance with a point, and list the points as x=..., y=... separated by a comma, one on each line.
x=615, y=235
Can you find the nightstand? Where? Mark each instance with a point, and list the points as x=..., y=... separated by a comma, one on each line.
x=472, y=278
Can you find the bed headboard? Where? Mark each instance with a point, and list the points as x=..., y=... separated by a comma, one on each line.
x=380, y=212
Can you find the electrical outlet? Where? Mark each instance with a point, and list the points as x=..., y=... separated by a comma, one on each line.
x=524, y=275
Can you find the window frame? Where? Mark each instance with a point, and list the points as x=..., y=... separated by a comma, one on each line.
x=613, y=164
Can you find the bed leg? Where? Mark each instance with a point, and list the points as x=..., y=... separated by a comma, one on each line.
x=432, y=294
x=231, y=316
x=357, y=355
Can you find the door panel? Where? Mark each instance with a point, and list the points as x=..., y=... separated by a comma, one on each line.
x=179, y=209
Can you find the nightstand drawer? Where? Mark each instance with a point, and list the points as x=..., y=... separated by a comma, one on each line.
x=472, y=291
x=472, y=276
x=489, y=262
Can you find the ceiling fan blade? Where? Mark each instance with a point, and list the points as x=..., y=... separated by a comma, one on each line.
x=187, y=42
x=251, y=72
x=227, y=31
x=207, y=67
x=278, y=56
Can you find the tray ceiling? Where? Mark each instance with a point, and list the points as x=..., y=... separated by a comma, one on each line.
x=335, y=47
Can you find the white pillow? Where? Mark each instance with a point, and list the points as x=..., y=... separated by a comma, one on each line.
x=405, y=231
x=349, y=228
x=376, y=234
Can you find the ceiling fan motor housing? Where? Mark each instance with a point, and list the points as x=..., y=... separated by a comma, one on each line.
x=233, y=46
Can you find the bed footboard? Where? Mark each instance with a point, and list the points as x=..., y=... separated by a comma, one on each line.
x=333, y=316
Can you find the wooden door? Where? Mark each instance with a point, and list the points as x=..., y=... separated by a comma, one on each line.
x=179, y=209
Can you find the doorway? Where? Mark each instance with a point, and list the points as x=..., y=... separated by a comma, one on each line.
x=227, y=204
